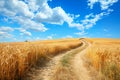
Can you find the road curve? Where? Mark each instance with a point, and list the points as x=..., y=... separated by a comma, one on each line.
x=78, y=65
x=70, y=65
x=75, y=69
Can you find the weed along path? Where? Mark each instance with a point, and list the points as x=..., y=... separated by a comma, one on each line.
x=66, y=66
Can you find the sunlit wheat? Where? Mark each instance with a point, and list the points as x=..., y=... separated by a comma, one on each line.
x=105, y=57
x=17, y=58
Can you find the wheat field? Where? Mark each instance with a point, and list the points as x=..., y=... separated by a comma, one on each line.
x=104, y=56
x=17, y=58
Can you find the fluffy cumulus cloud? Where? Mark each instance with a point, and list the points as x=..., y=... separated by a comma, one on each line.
x=15, y=7
x=30, y=24
x=31, y=14
x=54, y=16
x=104, y=4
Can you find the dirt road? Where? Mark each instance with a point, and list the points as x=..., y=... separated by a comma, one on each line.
x=66, y=66
x=78, y=65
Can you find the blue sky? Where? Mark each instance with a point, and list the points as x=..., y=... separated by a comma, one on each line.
x=22, y=20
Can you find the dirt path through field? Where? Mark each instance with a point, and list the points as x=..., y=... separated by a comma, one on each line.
x=82, y=69
x=47, y=71
x=43, y=73
x=76, y=69
x=78, y=65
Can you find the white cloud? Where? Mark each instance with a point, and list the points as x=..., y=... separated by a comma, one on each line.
x=91, y=19
x=5, y=32
x=79, y=26
x=6, y=29
x=51, y=36
x=4, y=35
x=20, y=12
x=80, y=33
x=31, y=14
x=104, y=4
x=30, y=24
x=18, y=7
x=78, y=15
x=54, y=16
x=24, y=32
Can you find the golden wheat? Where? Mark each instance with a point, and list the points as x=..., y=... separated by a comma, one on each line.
x=105, y=57
x=17, y=58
